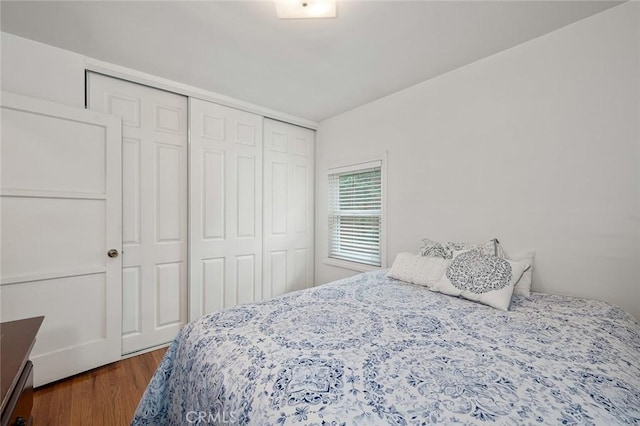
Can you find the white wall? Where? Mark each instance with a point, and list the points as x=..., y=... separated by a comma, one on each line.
x=35, y=69
x=537, y=145
x=41, y=71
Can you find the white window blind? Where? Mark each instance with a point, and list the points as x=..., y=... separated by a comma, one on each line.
x=355, y=214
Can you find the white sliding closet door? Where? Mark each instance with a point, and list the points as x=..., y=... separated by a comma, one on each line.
x=288, y=208
x=155, y=197
x=226, y=207
x=60, y=209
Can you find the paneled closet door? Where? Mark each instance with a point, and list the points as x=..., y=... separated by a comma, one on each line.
x=226, y=207
x=155, y=197
x=288, y=208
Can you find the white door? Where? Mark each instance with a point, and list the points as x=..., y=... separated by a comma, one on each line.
x=154, y=232
x=288, y=208
x=226, y=207
x=61, y=204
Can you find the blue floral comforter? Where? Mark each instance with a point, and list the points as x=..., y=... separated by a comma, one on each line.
x=372, y=350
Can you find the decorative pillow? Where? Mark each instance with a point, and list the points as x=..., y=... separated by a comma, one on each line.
x=433, y=249
x=485, y=279
x=523, y=287
x=417, y=269
x=445, y=251
x=489, y=248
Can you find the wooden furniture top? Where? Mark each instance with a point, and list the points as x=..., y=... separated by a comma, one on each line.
x=16, y=341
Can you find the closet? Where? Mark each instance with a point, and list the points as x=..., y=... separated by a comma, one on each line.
x=288, y=208
x=217, y=207
x=226, y=207
x=123, y=221
x=154, y=207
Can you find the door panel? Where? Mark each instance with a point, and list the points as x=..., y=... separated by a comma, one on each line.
x=213, y=190
x=71, y=226
x=169, y=194
x=46, y=144
x=154, y=207
x=226, y=207
x=168, y=277
x=131, y=290
x=288, y=208
x=131, y=209
x=61, y=209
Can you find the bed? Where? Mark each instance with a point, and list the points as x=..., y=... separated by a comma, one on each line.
x=373, y=350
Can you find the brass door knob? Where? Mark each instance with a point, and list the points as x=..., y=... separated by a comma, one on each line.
x=113, y=253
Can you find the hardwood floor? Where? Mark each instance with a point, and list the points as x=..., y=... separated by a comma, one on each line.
x=107, y=395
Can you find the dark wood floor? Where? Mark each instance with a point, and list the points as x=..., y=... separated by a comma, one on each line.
x=107, y=395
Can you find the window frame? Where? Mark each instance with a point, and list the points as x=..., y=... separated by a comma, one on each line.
x=356, y=166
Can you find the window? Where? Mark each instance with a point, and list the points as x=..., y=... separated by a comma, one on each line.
x=355, y=213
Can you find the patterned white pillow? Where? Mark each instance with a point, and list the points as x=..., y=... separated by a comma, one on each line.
x=481, y=278
x=431, y=248
x=417, y=269
x=445, y=251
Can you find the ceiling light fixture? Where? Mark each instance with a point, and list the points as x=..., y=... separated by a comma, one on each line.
x=305, y=9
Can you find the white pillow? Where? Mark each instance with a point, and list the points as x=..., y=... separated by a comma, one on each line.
x=417, y=269
x=523, y=287
x=481, y=278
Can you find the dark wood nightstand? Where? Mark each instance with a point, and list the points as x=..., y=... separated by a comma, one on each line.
x=16, y=371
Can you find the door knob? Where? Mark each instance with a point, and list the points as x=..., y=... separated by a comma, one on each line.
x=112, y=253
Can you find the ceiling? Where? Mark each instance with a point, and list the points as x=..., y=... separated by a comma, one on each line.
x=312, y=69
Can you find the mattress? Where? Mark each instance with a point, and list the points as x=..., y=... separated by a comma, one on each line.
x=373, y=350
